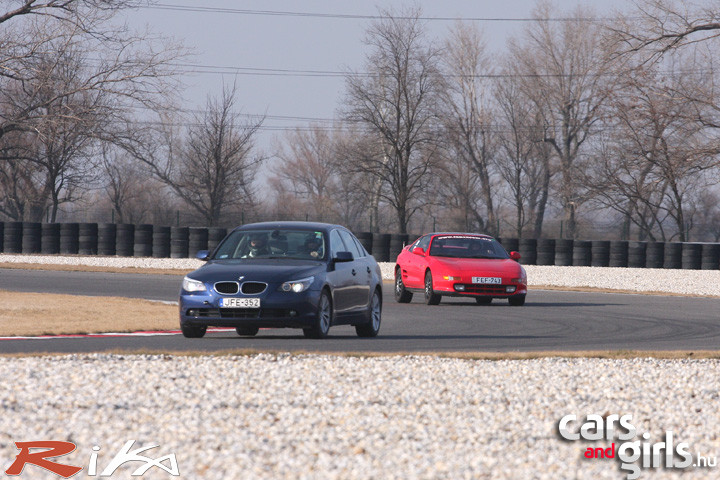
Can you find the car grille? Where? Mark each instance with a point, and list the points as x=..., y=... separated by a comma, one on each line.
x=487, y=289
x=227, y=288
x=242, y=313
x=253, y=288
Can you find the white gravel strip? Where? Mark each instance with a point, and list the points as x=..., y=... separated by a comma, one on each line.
x=326, y=417
x=684, y=282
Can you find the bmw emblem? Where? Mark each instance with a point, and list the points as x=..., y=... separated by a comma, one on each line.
x=241, y=277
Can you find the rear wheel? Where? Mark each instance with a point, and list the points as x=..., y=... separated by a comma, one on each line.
x=192, y=331
x=517, y=300
x=431, y=298
x=323, y=318
x=247, y=331
x=401, y=293
x=483, y=300
x=372, y=327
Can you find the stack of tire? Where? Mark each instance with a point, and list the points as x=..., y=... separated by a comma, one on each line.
x=510, y=244
x=365, y=239
x=546, y=251
x=107, y=238
x=69, y=238
x=528, y=251
x=88, y=239
x=125, y=240
x=143, y=240
x=50, y=238
x=197, y=240
x=215, y=236
x=582, y=253
x=564, y=252
x=619, y=253
x=655, y=255
x=31, y=235
x=2, y=237
x=397, y=242
x=600, y=253
x=381, y=247
x=12, y=237
x=161, y=242
x=710, y=256
x=179, y=238
x=637, y=254
x=673, y=255
x=691, y=256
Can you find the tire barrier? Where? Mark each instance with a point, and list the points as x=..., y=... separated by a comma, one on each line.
x=197, y=240
x=397, y=242
x=182, y=242
x=161, y=242
x=69, y=238
x=637, y=254
x=655, y=255
x=564, y=252
x=528, y=251
x=582, y=253
x=125, y=240
x=50, y=238
x=546, y=251
x=365, y=239
x=88, y=239
x=673, y=255
x=619, y=253
x=381, y=247
x=215, y=236
x=710, y=259
x=691, y=256
x=107, y=239
x=510, y=244
x=143, y=243
x=179, y=238
x=12, y=237
x=600, y=253
x=31, y=234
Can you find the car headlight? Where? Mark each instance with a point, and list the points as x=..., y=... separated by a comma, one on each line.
x=190, y=285
x=297, y=286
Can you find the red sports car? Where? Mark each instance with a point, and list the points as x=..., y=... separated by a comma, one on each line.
x=459, y=265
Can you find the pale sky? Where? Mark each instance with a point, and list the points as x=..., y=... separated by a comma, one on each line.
x=287, y=65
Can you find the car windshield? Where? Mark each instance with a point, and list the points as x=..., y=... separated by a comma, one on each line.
x=458, y=246
x=250, y=244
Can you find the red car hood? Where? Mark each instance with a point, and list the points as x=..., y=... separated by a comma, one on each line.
x=484, y=266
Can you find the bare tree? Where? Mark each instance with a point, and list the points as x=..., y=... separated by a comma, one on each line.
x=657, y=27
x=397, y=105
x=564, y=69
x=468, y=115
x=213, y=167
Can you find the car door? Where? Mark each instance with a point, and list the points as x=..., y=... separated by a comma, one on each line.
x=360, y=297
x=340, y=276
x=414, y=270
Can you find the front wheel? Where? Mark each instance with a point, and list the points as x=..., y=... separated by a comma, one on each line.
x=431, y=298
x=372, y=327
x=323, y=318
x=401, y=293
x=517, y=300
x=191, y=331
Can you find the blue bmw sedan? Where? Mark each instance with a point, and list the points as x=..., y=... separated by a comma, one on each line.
x=284, y=274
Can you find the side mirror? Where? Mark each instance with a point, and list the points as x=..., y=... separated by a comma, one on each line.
x=203, y=255
x=343, y=257
x=515, y=256
x=419, y=251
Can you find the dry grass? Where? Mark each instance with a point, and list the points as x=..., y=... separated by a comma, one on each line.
x=91, y=268
x=40, y=314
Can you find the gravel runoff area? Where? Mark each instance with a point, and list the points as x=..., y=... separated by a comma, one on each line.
x=281, y=416
x=682, y=282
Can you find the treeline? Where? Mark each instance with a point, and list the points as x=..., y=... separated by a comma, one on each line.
x=583, y=127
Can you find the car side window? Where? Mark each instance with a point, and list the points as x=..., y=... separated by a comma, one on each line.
x=350, y=244
x=336, y=244
x=424, y=242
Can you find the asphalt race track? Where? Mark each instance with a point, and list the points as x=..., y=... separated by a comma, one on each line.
x=549, y=321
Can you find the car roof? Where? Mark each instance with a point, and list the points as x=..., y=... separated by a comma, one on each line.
x=289, y=225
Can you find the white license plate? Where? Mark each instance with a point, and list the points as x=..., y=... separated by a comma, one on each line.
x=496, y=280
x=239, y=303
